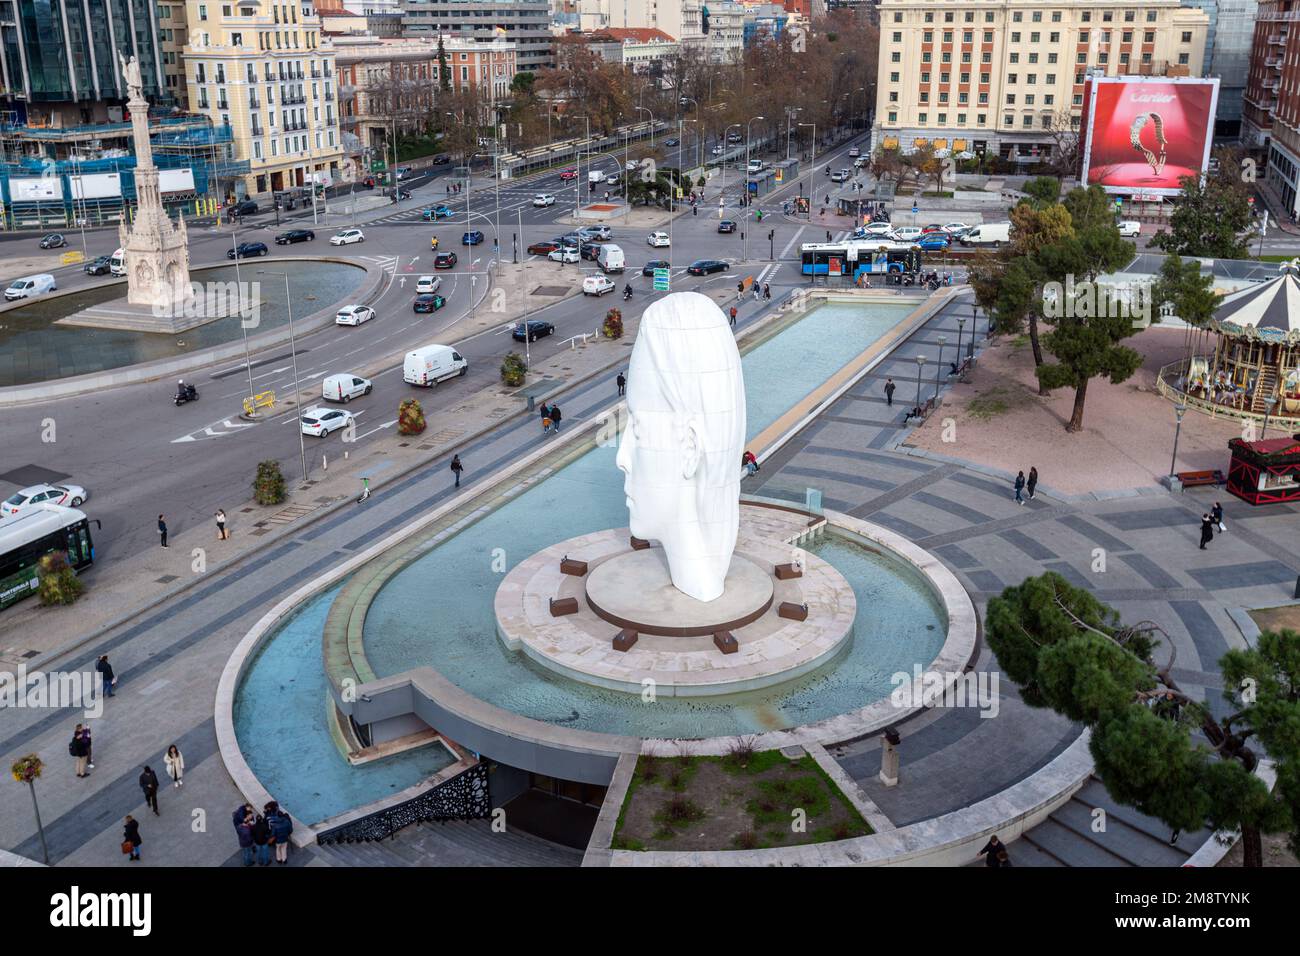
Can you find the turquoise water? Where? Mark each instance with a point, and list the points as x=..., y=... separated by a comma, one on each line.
x=280, y=719
x=279, y=711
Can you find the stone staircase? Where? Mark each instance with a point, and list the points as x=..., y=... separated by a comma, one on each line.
x=1131, y=838
x=455, y=843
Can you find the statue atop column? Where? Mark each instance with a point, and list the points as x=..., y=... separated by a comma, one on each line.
x=131, y=76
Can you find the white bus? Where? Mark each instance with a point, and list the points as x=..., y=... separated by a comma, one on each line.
x=31, y=534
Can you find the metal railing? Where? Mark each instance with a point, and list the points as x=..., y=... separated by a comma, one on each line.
x=463, y=797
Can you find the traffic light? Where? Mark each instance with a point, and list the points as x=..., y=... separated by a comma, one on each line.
x=771, y=234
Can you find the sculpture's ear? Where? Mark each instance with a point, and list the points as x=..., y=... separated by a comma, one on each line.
x=692, y=445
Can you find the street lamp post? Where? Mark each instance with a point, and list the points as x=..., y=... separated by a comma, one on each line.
x=789, y=130
x=811, y=165
x=1269, y=404
x=961, y=327
x=577, y=183
x=938, y=367
x=243, y=329
x=293, y=351
x=920, y=366
x=725, y=133
x=1179, y=410
x=744, y=236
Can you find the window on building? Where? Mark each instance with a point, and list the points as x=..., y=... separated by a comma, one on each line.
x=920, y=118
x=1126, y=37
x=1187, y=36
x=1123, y=58
x=986, y=57
x=1107, y=16
x=1012, y=78
x=967, y=36
x=1017, y=16
x=1011, y=99
x=968, y=17
x=947, y=17
x=925, y=77
x=1013, y=57
x=893, y=96
x=943, y=97
x=963, y=98
x=988, y=17
x=1054, y=37
x=1146, y=57
x=927, y=36
x=895, y=57
x=1029, y=99
x=1051, y=58
x=893, y=77
x=1149, y=36
x=1183, y=59
x=1129, y=16
x=925, y=57
x=984, y=77
x=1086, y=17
x=1034, y=37
x=965, y=78
x=988, y=36
x=984, y=99
x=961, y=119
x=893, y=117
x=203, y=11
x=898, y=36
x=1151, y=16
x=1008, y=120
x=929, y=18
x=1015, y=37
x=981, y=119
x=925, y=96
x=943, y=118
x=945, y=78
x=1027, y=122
x=946, y=58
x=947, y=36
x=1033, y=58
x=965, y=56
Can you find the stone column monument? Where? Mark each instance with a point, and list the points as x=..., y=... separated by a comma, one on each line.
x=155, y=248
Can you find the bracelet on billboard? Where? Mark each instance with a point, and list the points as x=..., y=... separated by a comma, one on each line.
x=1135, y=138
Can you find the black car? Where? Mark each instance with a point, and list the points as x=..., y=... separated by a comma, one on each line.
x=444, y=260
x=294, y=235
x=245, y=208
x=727, y=225
x=649, y=268
x=442, y=160
x=53, y=241
x=705, y=267
x=670, y=142
x=246, y=249
x=536, y=330
x=99, y=266
x=401, y=194
x=590, y=250
x=429, y=302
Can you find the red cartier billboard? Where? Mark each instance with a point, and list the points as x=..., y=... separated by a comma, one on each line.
x=1143, y=133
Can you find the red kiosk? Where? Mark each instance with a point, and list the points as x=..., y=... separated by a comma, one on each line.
x=1264, y=472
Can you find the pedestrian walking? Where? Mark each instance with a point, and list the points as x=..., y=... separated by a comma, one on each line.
x=242, y=813
x=828, y=232
x=174, y=763
x=90, y=747
x=695, y=210
x=106, y=674
x=365, y=490
x=261, y=833
x=247, y=847
x=545, y=412
x=149, y=784
x=740, y=290
x=162, y=530
x=991, y=851
x=733, y=315
x=131, y=838
x=456, y=468
x=1207, y=530
x=1216, y=513
x=889, y=391
x=222, y=533
x=1032, y=482
x=281, y=825
x=1020, y=486
x=621, y=381
x=77, y=749
x=555, y=418
x=767, y=291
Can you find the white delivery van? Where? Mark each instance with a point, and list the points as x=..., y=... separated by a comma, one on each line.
x=344, y=388
x=29, y=286
x=595, y=176
x=432, y=364
x=610, y=258
x=117, y=264
x=988, y=234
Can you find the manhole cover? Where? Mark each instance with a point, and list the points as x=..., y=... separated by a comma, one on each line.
x=32, y=475
x=551, y=290
x=404, y=444
x=167, y=578
x=245, y=511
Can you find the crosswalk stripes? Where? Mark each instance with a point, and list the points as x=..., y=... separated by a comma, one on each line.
x=387, y=263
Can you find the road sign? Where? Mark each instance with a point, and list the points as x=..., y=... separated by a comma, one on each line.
x=661, y=280
x=71, y=257
x=915, y=210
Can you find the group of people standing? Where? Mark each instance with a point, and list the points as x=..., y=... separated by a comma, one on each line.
x=259, y=833
x=1026, y=485
x=551, y=417
x=1211, y=520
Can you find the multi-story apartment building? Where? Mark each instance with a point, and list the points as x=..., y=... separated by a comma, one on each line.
x=264, y=69
x=391, y=85
x=1271, y=105
x=525, y=22
x=1001, y=76
x=59, y=62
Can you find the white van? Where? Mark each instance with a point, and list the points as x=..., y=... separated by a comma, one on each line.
x=988, y=234
x=432, y=364
x=29, y=286
x=610, y=258
x=344, y=388
x=595, y=176
x=117, y=264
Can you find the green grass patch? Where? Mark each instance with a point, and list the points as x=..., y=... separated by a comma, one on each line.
x=990, y=404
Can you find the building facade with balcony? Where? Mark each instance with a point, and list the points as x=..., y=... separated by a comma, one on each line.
x=1270, y=120
x=265, y=70
x=1006, y=77
x=389, y=86
x=526, y=23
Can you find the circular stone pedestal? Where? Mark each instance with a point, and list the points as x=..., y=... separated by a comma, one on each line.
x=635, y=591
x=626, y=591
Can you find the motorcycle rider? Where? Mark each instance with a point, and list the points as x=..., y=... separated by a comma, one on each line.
x=627, y=291
x=181, y=391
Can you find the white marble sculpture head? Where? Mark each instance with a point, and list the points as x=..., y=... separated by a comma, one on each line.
x=680, y=453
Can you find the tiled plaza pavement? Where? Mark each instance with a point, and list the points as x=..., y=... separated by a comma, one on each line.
x=169, y=660
x=1153, y=570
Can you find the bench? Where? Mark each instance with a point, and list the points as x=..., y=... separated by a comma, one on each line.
x=1190, y=479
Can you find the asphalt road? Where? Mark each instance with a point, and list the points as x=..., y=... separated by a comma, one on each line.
x=139, y=455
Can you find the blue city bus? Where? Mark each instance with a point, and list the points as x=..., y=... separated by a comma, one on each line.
x=31, y=534
x=854, y=257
